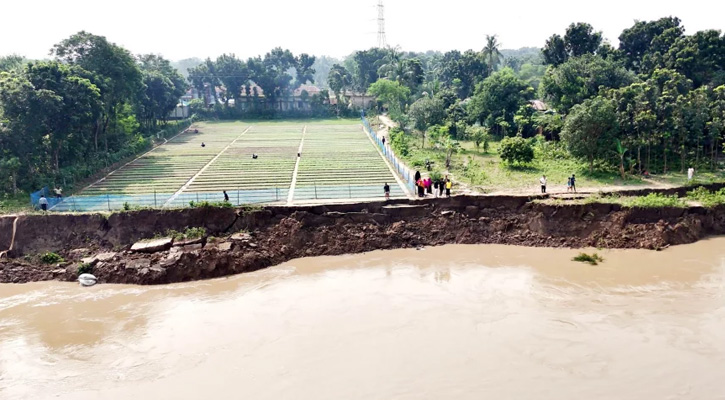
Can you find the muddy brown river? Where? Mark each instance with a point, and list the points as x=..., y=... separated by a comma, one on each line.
x=454, y=322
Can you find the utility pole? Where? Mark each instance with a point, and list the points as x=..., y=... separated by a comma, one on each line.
x=382, y=41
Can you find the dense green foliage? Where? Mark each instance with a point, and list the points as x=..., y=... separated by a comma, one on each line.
x=516, y=150
x=580, y=78
x=706, y=197
x=94, y=104
x=654, y=104
x=498, y=98
x=589, y=129
x=51, y=258
x=580, y=39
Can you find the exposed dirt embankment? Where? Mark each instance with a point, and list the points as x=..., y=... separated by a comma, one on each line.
x=278, y=234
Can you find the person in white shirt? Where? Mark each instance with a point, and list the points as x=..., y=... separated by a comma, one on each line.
x=690, y=173
x=43, y=202
x=543, y=183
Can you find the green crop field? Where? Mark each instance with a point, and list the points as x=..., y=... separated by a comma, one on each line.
x=338, y=161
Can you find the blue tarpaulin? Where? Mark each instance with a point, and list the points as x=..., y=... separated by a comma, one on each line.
x=52, y=200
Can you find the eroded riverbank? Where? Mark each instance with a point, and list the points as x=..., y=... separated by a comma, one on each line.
x=456, y=321
x=251, y=239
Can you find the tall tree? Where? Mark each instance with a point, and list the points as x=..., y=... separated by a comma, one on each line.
x=12, y=62
x=581, y=39
x=554, y=51
x=365, y=65
x=204, y=79
x=117, y=75
x=700, y=57
x=304, y=67
x=233, y=73
x=672, y=88
x=716, y=125
x=163, y=87
x=498, y=98
x=339, y=79
x=590, y=130
x=391, y=93
x=71, y=105
x=492, y=52
x=581, y=78
x=647, y=38
x=426, y=112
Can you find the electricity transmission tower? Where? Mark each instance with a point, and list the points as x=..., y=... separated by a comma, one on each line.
x=382, y=42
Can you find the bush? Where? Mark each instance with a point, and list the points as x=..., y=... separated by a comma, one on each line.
x=399, y=142
x=653, y=200
x=85, y=269
x=51, y=258
x=706, y=197
x=205, y=203
x=516, y=150
x=592, y=259
x=188, y=233
x=195, y=233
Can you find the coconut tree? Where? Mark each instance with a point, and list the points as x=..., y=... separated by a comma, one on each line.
x=491, y=52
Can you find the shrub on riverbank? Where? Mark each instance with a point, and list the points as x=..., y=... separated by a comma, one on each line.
x=652, y=200
x=592, y=259
x=706, y=197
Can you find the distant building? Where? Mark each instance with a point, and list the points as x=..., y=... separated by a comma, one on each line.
x=299, y=100
x=181, y=111
x=355, y=99
x=253, y=98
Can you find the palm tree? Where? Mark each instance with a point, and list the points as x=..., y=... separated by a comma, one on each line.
x=491, y=53
x=391, y=64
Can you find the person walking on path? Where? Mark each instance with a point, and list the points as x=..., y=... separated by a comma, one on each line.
x=568, y=184
x=543, y=183
x=573, y=183
x=429, y=185
x=386, y=190
x=690, y=174
x=226, y=196
x=417, y=176
x=383, y=141
x=435, y=187
x=441, y=187
x=43, y=203
x=449, y=185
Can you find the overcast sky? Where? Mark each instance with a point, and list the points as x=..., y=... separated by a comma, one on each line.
x=193, y=28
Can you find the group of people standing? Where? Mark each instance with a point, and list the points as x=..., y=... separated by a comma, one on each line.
x=429, y=186
x=570, y=183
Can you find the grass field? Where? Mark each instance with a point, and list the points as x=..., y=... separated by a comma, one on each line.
x=338, y=161
x=483, y=171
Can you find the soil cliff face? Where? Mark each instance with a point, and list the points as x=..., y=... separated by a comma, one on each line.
x=277, y=234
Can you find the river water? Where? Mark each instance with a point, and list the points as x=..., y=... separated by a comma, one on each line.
x=453, y=322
